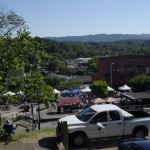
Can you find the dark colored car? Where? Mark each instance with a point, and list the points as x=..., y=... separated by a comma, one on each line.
x=134, y=144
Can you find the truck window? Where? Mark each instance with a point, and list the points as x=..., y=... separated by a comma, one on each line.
x=114, y=115
x=86, y=114
x=101, y=117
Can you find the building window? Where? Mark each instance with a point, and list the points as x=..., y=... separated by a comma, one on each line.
x=139, y=69
x=130, y=70
x=148, y=70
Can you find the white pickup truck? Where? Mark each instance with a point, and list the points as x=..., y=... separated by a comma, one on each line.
x=103, y=121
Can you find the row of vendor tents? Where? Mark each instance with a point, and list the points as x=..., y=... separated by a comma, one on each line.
x=87, y=89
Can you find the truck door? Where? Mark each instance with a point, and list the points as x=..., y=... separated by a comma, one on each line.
x=96, y=131
x=116, y=123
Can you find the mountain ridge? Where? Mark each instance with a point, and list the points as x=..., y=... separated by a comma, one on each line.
x=100, y=37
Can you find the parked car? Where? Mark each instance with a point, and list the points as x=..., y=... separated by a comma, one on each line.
x=103, y=121
x=134, y=144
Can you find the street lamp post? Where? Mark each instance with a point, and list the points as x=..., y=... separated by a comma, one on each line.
x=111, y=64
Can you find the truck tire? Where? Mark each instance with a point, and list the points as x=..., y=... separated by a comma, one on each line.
x=79, y=139
x=139, y=133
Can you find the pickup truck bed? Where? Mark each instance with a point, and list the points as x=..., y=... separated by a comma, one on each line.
x=139, y=113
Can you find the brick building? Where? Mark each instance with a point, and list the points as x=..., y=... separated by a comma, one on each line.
x=117, y=70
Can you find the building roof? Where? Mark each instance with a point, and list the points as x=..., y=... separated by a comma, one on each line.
x=141, y=95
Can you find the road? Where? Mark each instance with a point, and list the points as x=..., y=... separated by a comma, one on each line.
x=49, y=124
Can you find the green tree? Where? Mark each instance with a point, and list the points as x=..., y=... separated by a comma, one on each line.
x=99, y=88
x=37, y=90
x=52, y=80
x=9, y=22
x=69, y=85
x=140, y=83
x=92, y=65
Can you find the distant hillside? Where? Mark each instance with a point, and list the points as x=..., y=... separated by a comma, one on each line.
x=101, y=37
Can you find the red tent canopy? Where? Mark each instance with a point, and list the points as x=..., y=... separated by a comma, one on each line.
x=69, y=100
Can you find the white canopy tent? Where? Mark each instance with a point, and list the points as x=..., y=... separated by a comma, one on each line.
x=9, y=93
x=56, y=91
x=20, y=93
x=87, y=89
x=109, y=89
x=124, y=88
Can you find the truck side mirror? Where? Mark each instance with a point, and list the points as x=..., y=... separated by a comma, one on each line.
x=100, y=125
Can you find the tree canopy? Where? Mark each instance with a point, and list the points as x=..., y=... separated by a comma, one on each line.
x=9, y=22
x=99, y=88
x=140, y=83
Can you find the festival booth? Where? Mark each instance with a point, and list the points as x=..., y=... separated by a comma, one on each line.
x=111, y=92
x=86, y=90
x=98, y=101
x=56, y=92
x=75, y=92
x=68, y=104
x=110, y=89
x=86, y=94
x=124, y=88
x=111, y=100
x=65, y=92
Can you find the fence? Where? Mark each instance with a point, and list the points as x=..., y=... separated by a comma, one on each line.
x=24, y=120
x=10, y=117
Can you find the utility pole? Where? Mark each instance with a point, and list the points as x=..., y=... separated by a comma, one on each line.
x=111, y=64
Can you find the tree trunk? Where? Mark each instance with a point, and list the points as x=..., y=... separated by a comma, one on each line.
x=39, y=116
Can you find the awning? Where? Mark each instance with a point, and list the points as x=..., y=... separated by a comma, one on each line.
x=109, y=89
x=98, y=100
x=111, y=99
x=56, y=91
x=69, y=100
x=65, y=92
x=9, y=93
x=87, y=89
x=124, y=88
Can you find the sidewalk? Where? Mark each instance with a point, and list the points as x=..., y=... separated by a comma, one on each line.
x=17, y=146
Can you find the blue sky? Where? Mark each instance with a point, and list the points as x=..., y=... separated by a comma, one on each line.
x=82, y=17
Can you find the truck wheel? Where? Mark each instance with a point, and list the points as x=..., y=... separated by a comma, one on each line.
x=139, y=133
x=79, y=139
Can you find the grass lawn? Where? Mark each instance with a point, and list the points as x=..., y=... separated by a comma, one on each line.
x=30, y=136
